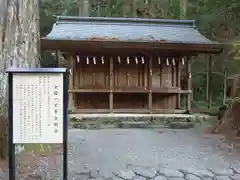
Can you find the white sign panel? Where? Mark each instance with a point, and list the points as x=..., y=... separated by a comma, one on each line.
x=37, y=108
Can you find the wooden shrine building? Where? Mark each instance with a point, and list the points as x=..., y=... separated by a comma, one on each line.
x=128, y=65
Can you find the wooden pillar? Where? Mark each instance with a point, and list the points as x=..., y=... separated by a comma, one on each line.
x=71, y=103
x=189, y=76
x=111, y=79
x=150, y=85
x=178, y=78
x=145, y=75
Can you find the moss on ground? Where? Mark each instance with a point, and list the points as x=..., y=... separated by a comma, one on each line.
x=37, y=148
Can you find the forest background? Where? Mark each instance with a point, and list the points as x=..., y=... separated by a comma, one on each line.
x=218, y=20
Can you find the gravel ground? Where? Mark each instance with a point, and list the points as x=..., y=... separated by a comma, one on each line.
x=140, y=154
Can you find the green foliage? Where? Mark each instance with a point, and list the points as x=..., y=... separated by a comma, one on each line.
x=236, y=50
x=49, y=9
x=48, y=60
x=202, y=107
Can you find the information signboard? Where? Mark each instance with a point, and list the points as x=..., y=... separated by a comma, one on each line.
x=37, y=112
x=37, y=108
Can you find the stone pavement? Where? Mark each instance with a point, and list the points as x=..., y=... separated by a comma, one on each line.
x=170, y=154
x=146, y=173
x=159, y=154
x=132, y=172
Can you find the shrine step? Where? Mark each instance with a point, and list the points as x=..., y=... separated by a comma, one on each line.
x=100, y=121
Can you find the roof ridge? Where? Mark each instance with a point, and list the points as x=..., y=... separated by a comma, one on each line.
x=186, y=23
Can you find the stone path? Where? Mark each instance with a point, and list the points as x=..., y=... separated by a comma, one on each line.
x=146, y=173
x=144, y=154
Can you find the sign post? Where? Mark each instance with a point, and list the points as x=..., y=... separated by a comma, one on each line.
x=38, y=107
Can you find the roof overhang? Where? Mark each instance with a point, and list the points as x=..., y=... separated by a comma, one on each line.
x=116, y=46
x=128, y=34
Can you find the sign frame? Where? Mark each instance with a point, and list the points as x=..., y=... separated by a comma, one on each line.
x=11, y=145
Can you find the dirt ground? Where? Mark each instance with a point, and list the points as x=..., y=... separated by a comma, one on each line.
x=228, y=136
x=27, y=163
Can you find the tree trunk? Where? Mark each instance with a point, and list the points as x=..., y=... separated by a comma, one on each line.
x=183, y=9
x=19, y=43
x=3, y=78
x=84, y=8
x=182, y=16
x=133, y=8
x=20, y=40
x=150, y=8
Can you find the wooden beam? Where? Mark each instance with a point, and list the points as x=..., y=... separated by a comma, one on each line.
x=132, y=90
x=150, y=84
x=169, y=111
x=83, y=111
x=140, y=54
x=126, y=46
x=111, y=83
x=88, y=90
x=144, y=111
x=131, y=111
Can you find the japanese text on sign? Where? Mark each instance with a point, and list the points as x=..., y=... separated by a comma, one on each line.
x=37, y=108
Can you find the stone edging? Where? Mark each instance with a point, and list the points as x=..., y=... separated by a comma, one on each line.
x=135, y=172
x=147, y=173
x=177, y=121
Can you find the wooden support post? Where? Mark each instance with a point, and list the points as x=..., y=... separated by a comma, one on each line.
x=76, y=74
x=189, y=76
x=145, y=76
x=71, y=102
x=111, y=79
x=178, y=78
x=161, y=75
x=150, y=85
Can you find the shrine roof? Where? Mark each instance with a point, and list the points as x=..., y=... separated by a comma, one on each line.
x=126, y=30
